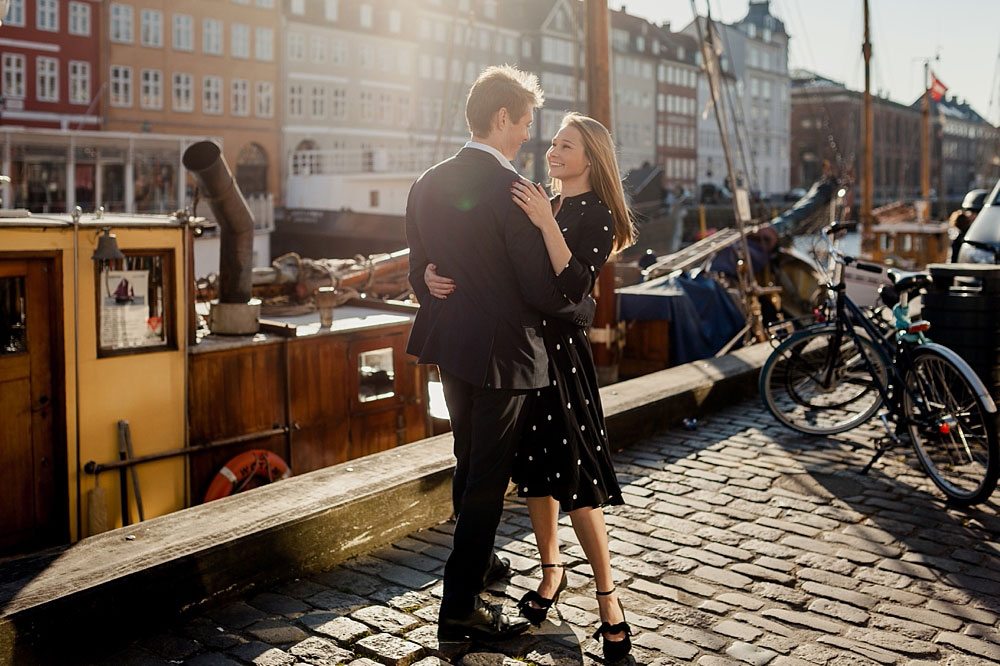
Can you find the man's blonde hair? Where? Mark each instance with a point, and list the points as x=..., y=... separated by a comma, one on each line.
x=501, y=87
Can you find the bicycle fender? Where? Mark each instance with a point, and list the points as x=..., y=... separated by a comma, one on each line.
x=967, y=372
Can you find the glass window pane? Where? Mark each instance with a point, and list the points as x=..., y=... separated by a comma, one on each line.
x=13, y=320
x=375, y=375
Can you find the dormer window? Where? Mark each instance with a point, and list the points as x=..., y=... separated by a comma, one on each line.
x=640, y=43
x=767, y=35
x=751, y=30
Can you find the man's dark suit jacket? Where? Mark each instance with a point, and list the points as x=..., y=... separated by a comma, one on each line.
x=460, y=217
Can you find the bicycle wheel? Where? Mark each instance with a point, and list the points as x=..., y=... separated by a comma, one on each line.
x=953, y=434
x=817, y=388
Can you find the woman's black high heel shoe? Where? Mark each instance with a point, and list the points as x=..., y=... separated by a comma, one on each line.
x=534, y=606
x=614, y=651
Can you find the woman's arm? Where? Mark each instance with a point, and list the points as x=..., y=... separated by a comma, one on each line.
x=533, y=200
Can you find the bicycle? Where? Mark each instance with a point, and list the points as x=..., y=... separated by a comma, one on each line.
x=838, y=372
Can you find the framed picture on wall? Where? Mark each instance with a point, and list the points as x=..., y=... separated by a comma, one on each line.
x=135, y=303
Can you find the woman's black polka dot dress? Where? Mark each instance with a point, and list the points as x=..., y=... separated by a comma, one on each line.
x=564, y=451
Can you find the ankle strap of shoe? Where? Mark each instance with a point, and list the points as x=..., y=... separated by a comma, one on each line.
x=550, y=566
x=604, y=594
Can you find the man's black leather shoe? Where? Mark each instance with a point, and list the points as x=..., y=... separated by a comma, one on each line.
x=499, y=569
x=486, y=623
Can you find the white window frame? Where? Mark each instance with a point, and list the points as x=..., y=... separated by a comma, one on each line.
x=47, y=78
x=47, y=15
x=338, y=104
x=298, y=7
x=296, y=46
x=366, y=15
x=296, y=94
x=79, y=19
x=182, y=35
x=331, y=9
x=120, y=77
x=151, y=28
x=264, y=99
x=395, y=21
x=317, y=48
x=122, y=17
x=264, y=44
x=79, y=82
x=317, y=101
x=239, y=40
x=151, y=89
x=179, y=101
x=212, y=40
x=15, y=14
x=14, y=68
x=239, y=97
x=211, y=97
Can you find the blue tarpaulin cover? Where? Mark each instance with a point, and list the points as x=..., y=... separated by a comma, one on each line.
x=703, y=316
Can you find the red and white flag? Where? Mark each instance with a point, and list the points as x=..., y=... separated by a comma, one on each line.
x=937, y=88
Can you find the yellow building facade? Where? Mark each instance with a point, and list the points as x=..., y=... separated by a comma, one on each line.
x=196, y=67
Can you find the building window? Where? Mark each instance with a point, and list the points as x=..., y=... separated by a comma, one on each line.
x=13, y=76
x=264, y=44
x=121, y=86
x=151, y=89
x=299, y=7
x=338, y=52
x=240, y=40
x=317, y=48
x=265, y=99
x=295, y=95
x=332, y=7
x=395, y=21
x=79, y=82
x=121, y=23
x=79, y=19
x=47, y=79
x=296, y=46
x=339, y=104
x=404, y=110
x=265, y=4
x=15, y=14
x=151, y=28
x=318, y=101
x=211, y=98
x=183, y=32
x=211, y=36
x=367, y=105
x=47, y=17
x=365, y=15
x=366, y=58
x=240, y=97
x=183, y=98
x=384, y=109
x=490, y=9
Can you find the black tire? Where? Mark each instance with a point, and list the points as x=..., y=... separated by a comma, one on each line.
x=794, y=388
x=963, y=459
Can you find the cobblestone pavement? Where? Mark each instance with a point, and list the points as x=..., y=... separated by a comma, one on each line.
x=740, y=543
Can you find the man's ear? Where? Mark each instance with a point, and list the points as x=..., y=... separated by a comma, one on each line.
x=502, y=118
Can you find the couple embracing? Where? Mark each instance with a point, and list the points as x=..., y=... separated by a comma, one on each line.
x=503, y=275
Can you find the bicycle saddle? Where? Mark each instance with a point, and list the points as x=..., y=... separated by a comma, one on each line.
x=907, y=281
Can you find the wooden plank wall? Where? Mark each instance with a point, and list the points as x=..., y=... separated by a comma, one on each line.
x=242, y=391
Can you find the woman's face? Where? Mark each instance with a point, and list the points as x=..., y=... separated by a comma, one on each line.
x=566, y=157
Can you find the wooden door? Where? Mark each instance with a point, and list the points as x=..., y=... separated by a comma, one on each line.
x=31, y=515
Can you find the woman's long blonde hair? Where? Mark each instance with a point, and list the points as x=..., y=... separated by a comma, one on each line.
x=605, y=178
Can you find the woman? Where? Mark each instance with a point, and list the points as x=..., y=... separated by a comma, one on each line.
x=564, y=459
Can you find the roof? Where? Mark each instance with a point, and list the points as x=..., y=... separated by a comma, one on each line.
x=760, y=15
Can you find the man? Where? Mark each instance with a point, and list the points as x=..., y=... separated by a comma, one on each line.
x=486, y=336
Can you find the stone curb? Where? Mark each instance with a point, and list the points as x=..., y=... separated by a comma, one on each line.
x=106, y=588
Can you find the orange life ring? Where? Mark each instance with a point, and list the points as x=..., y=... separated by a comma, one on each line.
x=235, y=474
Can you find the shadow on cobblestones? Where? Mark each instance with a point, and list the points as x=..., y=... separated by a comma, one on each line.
x=739, y=543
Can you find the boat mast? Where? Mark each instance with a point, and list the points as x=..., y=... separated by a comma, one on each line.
x=713, y=72
x=598, y=72
x=868, y=170
x=925, y=143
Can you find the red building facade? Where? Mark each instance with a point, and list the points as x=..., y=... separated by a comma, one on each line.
x=677, y=76
x=50, y=64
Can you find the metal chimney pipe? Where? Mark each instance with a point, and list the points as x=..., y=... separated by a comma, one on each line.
x=205, y=162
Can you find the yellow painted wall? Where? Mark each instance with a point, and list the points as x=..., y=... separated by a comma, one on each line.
x=146, y=389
